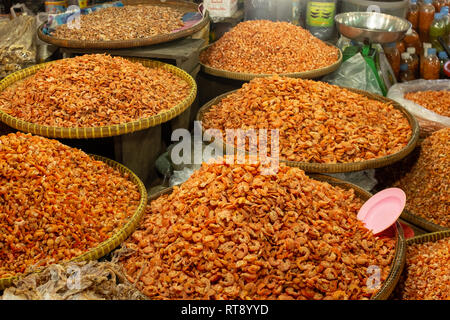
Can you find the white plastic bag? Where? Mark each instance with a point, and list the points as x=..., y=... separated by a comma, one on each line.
x=429, y=121
x=355, y=73
x=17, y=41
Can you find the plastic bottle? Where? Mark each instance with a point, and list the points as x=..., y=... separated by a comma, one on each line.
x=443, y=58
x=413, y=14
x=393, y=56
x=437, y=29
x=438, y=4
x=426, y=17
x=400, y=46
x=431, y=66
x=320, y=18
x=415, y=61
x=405, y=73
x=423, y=56
x=446, y=19
x=412, y=39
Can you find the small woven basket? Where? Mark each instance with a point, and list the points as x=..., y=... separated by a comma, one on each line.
x=115, y=240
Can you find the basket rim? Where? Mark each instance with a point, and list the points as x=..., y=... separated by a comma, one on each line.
x=133, y=43
x=314, y=167
x=100, y=131
x=244, y=76
x=112, y=242
x=399, y=259
x=421, y=222
x=429, y=237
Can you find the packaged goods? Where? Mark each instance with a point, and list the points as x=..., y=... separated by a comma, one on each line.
x=426, y=17
x=427, y=184
x=426, y=275
x=320, y=18
x=265, y=47
x=93, y=90
x=230, y=233
x=431, y=66
x=221, y=8
x=436, y=101
x=57, y=202
x=317, y=122
x=425, y=102
x=91, y=280
x=17, y=44
x=115, y=23
x=413, y=14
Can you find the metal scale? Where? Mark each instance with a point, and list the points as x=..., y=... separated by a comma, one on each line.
x=366, y=29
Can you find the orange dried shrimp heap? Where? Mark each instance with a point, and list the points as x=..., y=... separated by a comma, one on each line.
x=92, y=91
x=437, y=101
x=427, y=185
x=317, y=122
x=266, y=47
x=123, y=23
x=56, y=202
x=427, y=272
x=230, y=233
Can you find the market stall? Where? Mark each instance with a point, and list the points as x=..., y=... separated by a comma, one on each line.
x=225, y=150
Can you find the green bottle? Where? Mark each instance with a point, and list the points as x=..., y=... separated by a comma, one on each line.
x=437, y=30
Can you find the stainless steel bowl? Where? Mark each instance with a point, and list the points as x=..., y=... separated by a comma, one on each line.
x=371, y=26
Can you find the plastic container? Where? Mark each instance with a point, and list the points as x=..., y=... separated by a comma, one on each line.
x=443, y=58
x=437, y=29
x=438, y=4
x=415, y=61
x=401, y=46
x=446, y=19
x=320, y=18
x=423, y=55
x=412, y=39
x=431, y=66
x=397, y=8
x=405, y=73
x=426, y=17
x=394, y=58
x=292, y=11
x=413, y=14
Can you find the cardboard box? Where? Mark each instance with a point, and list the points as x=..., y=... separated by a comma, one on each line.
x=221, y=8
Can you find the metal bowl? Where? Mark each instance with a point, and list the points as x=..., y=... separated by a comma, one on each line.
x=371, y=26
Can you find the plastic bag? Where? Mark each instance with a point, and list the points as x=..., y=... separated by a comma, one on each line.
x=17, y=42
x=429, y=121
x=355, y=73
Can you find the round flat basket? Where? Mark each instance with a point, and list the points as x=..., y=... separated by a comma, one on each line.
x=185, y=6
x=311, y=74
x=400, y=249
x=116, y=239
x=337, y=167
x=422, y=222
x=104, y=131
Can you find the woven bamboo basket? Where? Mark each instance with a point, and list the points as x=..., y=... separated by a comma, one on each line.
x=424, y=238
x=421, y=222
x=104, y=131
x=340, y=167
x=311, y=74
x=110, y=244
x=400, y=249
x=118, y=44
